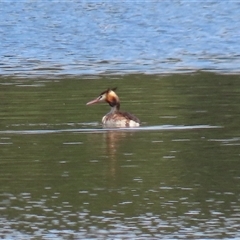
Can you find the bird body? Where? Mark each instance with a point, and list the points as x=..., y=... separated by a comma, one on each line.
x=115, y=118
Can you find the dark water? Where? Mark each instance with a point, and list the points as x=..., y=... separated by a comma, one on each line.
x=46, y=38
x=177, y=177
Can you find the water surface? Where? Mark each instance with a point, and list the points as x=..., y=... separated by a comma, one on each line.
x=46, y=38
x=64, y=177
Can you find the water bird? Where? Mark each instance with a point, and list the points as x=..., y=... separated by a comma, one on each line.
x=115, y=118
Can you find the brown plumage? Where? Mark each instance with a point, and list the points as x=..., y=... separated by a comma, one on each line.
x=115, y=118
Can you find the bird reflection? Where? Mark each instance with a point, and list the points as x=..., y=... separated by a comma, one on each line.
x=108, y=145
x=113, y=140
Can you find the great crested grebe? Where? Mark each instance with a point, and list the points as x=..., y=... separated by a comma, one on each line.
x=115, y=118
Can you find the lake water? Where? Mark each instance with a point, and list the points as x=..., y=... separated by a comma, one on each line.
x=111, y=37
x=176, y=66
x=177, y=177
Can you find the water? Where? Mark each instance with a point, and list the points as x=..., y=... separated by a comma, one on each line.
x=64, y=177
x=46, y=38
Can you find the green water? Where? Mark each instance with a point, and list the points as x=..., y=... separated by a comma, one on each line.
x=178, y=177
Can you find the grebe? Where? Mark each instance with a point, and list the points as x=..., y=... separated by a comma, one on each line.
x=115, y=118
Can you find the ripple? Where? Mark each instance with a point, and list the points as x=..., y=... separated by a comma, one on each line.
x=104, y=130
x=98, y=40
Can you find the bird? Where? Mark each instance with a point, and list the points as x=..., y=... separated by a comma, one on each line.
x=115, y=118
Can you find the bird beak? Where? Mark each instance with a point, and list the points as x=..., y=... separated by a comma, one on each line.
x=93, y=101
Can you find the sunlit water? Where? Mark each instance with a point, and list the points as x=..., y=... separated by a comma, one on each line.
x=63, y=176
x=46, y=38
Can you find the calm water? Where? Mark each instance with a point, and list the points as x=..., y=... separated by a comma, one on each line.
x=40, y=38
x=177, y=177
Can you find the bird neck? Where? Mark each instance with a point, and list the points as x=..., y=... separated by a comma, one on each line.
x=115, y=108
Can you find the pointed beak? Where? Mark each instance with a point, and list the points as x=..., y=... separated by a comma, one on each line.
x=93, y=101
